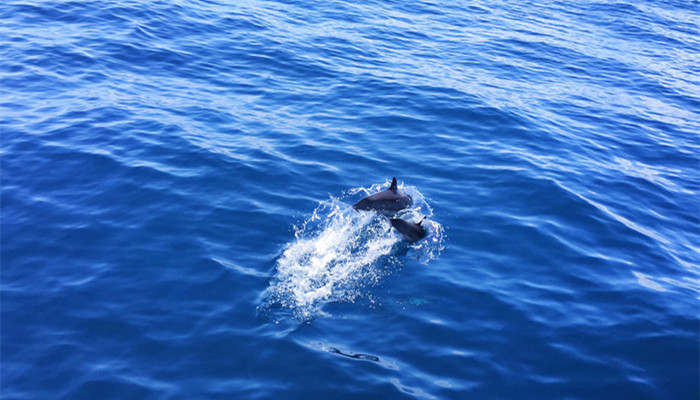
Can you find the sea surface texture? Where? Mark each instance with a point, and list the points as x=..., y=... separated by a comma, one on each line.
x=178, y=180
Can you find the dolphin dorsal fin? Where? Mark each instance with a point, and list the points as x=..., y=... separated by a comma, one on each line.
x=393, y=186
x=420, y=223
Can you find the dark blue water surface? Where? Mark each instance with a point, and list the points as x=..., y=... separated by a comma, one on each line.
x=177, y=180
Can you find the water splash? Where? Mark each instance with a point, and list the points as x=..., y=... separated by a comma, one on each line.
x=339, y=253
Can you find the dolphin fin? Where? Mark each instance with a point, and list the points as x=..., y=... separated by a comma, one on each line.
x=420, y=223
x=393, y=186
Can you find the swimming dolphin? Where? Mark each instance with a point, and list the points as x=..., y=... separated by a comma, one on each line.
x=410, y=231
x=387, y=201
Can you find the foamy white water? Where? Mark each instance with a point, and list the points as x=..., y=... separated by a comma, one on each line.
x=338, y=254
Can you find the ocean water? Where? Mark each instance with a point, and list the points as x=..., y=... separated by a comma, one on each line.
x=177, y=181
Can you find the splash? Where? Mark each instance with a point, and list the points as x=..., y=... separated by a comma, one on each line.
x=339, y=253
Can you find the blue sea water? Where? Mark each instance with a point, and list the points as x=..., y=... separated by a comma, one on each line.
x=177, y=180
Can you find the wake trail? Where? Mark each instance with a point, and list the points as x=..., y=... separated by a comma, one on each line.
x=339, y=253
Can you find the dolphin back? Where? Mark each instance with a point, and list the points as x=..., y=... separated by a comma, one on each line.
x=409, y=230
x=390, y=200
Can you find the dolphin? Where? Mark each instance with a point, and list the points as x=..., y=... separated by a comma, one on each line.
x=387, y=201
x=410, y=231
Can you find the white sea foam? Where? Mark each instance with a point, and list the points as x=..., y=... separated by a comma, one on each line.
x=339, y=253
